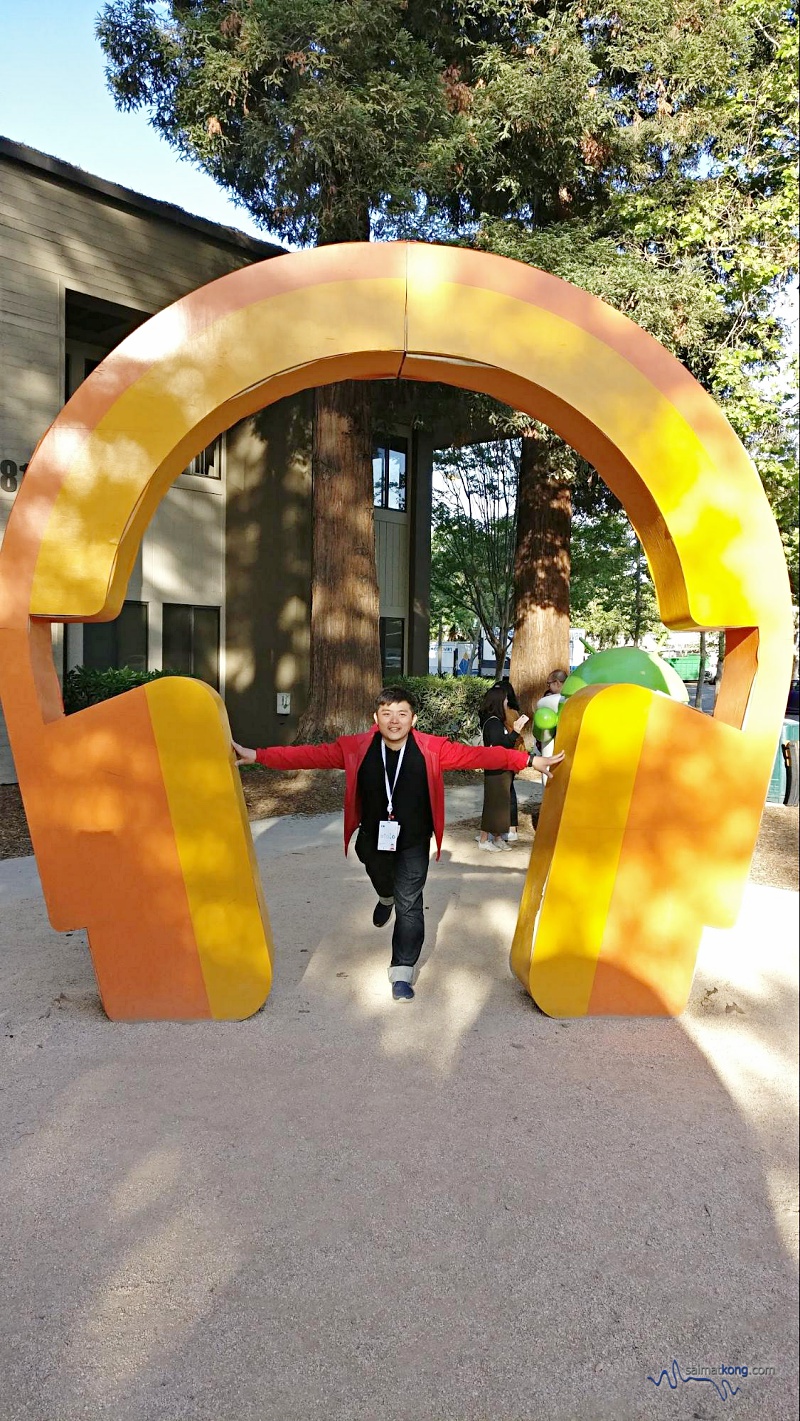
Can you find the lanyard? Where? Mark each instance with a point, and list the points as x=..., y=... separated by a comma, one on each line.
x=390, y=792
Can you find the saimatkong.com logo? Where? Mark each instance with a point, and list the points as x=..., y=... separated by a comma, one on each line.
x=726, y=1379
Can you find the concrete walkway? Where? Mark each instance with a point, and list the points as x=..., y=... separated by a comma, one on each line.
x=347, y=1209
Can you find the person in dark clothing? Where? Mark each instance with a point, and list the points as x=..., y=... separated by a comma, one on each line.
x=513, y=712
x=394, y=796
x=497, y=784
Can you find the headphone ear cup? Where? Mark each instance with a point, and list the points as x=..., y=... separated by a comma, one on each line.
x=214, y=843
x=145, y=842
x=636, y=850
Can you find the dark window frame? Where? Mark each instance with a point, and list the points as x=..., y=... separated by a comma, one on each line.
x=191, y=670
x=207, y=464
x=388, y=671
x=383, y=449
x=112, y=628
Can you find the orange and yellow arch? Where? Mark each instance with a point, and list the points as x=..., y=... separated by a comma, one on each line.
x=134, y=805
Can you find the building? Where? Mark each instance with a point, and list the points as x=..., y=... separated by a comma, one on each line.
x=221, y=588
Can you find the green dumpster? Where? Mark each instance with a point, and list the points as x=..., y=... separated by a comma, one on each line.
x=687, y=666
x=783, y=785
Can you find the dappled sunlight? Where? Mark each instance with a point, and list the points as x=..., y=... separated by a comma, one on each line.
x=454, y=999
x=267, y=517
x=240, y=670
x=145, y=1183
x=288, y=670
x=749, y=1065
x=153, y=1297
x=364, y=968
x=187, y=1206
x=292, y=614
x=189, y=534
x=162, y=337
x=470, y=915
x=742, y=1016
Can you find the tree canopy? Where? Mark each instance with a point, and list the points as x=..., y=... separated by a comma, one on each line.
x=644, y=149
x=436, y=116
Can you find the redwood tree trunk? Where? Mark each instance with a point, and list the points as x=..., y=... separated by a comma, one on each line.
x=345, y=671
x=345, y=657
x=541, y=573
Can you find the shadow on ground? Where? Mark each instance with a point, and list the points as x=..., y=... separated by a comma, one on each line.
x=348, y=1209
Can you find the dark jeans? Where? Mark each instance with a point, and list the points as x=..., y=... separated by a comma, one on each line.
x=401, y=876
x=514, y=806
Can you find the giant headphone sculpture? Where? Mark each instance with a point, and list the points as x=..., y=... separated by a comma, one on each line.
x=135, y=808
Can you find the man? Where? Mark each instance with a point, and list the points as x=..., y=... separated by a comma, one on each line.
x=394, y=797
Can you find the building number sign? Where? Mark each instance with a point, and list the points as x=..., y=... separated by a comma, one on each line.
x=10, y=475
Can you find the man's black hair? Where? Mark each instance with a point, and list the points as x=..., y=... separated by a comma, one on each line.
x=390, y=695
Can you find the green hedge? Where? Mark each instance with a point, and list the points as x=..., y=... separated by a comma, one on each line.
x=447, y=705
x=84, y=687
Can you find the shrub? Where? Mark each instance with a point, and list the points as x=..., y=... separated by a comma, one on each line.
x=84, y=687
x=447, y=705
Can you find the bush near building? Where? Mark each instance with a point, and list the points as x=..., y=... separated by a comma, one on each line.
x=447, y=705
x=84, y=687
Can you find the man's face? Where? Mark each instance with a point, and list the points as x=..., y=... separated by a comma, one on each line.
x=394, y=722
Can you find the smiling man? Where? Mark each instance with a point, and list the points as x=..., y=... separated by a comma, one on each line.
x=394, y=797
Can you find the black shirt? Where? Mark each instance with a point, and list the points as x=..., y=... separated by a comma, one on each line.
x=495, y=733
x=411, y=801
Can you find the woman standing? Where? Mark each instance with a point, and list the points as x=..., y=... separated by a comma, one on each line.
x=496, y=816
x=513, y=711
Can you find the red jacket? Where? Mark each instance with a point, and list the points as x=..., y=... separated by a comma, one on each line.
x=348, y=751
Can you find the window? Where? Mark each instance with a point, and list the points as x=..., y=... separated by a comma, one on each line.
x=190, y=641
x=389, y=462
x=122, y=642
x=392, y=629
x=208, y=463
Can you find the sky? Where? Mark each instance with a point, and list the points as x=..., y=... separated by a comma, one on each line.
x=53, y=97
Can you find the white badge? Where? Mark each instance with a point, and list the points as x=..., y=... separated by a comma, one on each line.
x=388, y=834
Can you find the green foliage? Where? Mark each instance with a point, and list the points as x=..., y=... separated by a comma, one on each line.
x=474, y=530
x=447, y=705
x=312, y=112
x=84, y=687
x=431, y=119
x=611, y=591
x=644, y=149
x=765, y=416
x=673, y=301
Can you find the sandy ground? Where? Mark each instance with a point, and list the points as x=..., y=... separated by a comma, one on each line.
x=346, y=1209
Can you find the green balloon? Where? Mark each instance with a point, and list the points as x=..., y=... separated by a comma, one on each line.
x=545, y=718
x=627, y=665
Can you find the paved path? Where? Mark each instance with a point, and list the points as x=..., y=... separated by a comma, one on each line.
x=350, y=1210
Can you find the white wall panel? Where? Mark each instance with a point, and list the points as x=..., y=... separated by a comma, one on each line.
x=391, y=554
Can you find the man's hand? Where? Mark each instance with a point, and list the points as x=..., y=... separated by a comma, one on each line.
x=546, y=764
x=244, y=756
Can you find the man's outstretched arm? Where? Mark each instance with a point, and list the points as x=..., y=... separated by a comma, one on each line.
x=292, y=757
x=456, y=756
